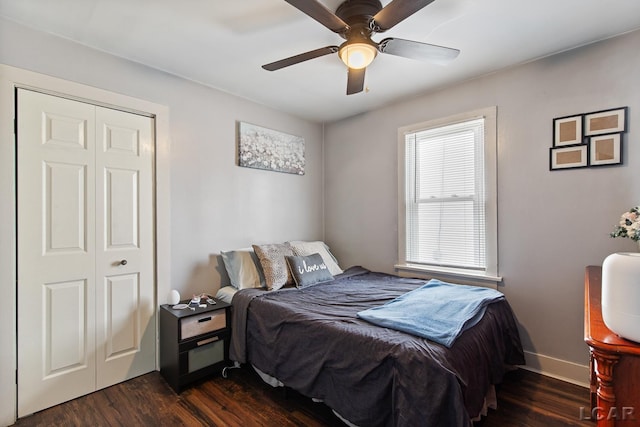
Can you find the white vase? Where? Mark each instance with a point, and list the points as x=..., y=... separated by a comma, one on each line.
x=621, y=294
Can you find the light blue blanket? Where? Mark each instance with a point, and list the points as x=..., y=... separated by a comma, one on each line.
x=438, y=311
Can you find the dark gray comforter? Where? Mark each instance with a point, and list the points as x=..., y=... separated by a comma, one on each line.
x=312, y=341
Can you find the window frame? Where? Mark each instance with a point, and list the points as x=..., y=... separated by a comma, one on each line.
x=490, y=274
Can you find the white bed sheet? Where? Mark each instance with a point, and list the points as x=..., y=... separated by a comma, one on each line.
x=226, y=293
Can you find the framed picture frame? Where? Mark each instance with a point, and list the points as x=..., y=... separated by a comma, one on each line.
x=605, y=149
x=263, y=148
x=567, y=131
x=606, y=121
x=569, y=157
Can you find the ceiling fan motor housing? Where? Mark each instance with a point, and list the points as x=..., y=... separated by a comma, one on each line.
x=358, y=14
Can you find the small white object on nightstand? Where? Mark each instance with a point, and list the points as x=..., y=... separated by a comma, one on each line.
x=174, y=297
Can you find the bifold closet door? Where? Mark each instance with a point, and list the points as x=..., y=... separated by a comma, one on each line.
x=85, y=248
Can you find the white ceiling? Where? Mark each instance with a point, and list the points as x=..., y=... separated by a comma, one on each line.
x=223, y=43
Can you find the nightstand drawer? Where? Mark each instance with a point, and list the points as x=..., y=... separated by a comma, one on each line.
x=202, y=323
x=207, y=353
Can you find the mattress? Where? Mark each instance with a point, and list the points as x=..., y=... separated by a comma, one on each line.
x=312, y=340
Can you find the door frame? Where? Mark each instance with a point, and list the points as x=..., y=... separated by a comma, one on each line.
x=10, y=79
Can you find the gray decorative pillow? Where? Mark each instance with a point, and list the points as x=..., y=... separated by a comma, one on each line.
x=301, y=247
x=308, y=270
x=274, y=265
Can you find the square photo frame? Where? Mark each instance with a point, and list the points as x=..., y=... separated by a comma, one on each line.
x=570, y=157
x=605, y=149
x=567, y=131
x=607, y=121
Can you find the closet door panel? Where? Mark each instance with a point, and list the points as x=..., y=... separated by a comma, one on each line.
x=56, y=241
x=125, y=327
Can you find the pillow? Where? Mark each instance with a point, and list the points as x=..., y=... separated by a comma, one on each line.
x=274, y=265
x=308, y=270
x=243, y=268
x=308, y=248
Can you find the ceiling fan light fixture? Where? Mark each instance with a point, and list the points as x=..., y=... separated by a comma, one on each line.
x=357, y=55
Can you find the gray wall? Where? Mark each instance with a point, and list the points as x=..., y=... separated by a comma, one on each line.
x=215, y=205
x=550, y=224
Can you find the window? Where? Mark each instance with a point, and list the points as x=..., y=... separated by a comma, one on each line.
x=447, y=184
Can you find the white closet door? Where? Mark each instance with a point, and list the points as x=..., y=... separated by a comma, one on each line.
x=56, y=251
x=125, y=322
x=84, y=320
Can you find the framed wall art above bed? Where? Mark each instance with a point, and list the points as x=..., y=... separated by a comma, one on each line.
x=263, y=148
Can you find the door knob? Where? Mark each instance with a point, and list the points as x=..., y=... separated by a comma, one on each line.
x=123, y=262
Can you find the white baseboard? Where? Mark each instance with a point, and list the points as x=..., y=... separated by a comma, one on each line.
x=557, y=368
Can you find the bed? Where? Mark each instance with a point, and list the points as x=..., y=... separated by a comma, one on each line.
x=312, y=339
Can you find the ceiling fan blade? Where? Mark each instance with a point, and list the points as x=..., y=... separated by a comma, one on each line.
x=300, y=58
x=355, y=80
x=321, y=14
x=416, y=50
x=396, y=11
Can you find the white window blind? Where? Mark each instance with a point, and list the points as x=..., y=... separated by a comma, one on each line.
x=445, y=196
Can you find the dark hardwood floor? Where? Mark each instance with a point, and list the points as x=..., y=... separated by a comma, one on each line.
x=242, y=399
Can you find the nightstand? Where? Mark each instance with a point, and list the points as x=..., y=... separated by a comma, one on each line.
x=193, y=343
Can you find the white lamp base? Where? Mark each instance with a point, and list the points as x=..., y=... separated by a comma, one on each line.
x=174, y=297
x=621, y=294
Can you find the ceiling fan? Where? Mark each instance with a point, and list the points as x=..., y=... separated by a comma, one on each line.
x=356, y=21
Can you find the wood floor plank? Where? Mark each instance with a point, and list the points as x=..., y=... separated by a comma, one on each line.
x=524, y=399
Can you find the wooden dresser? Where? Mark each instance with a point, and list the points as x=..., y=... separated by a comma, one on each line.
x=614, y=363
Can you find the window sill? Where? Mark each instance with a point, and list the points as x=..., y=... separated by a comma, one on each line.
x=468, y=276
